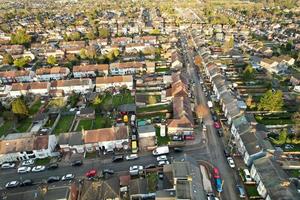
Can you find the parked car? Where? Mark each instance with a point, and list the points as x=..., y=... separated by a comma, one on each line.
x=77, y=163
x=177, y=138
x=178, y=150
x=12, y=184
x=241, y=191
x=27, y=182
x=135, y=170
x=163, y=162
x=150, y=166
x=118, y=158
x=132, y=157
x=27, y=162
x=216, y=173
x=38, y=168
x=162, y=157
x=230, y=162
x=8, y=165
x=160, y=175
x=53, y=179
x=189, y=137
x=67, y=177
x=91, y=173
x=22, y=170
x=108, y=171
x=217, y=125
x=226, y=153
x=247, y=175
x=52, y=166
x=220, y=132
x=214, y=117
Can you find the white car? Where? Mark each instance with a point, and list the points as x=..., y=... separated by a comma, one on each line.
x=230, y=162
x=38, y=168
x=132, y=157
x=12, y=184
x=247, y=175
x=8, y=165
x=135, y=170
x=28, y=162
x=163, y=162
x=67, y=177
x=24, y=169
x=161, y=158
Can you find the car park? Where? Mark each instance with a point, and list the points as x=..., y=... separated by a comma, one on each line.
x=161, y=158
x=108, y=171
x=230, y=162
x=135, y=170
x=12, y=184
x=163, y=162
x=22, y=170
x=77, y=163
x=247, y=175
x=68, y=177
x=8, y=165
x=241, y=191
x=27, y=182
x=53, y=179
x=27, y=162
x=91, y=173
x=118, y=158
x=52, y=166
x=38, y=168
x=132, y=157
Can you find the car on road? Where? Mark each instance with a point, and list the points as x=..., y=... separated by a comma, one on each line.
x=160, y=158
x=8, y=165
x=27, y=182
x=22, y=170
x=241, y=191
x=27, y=162
x=67, y=177
x=38, y=168
x=135, y=170
x=177, y=138
x=217, y=125
x=178, y=149
x=53, y=179
x=77, y=163
x=52, y=166
x=220, y=132
x=216, y=173
x=212, y=197
x=247, y=175
x=12, y=184
x=230, y=162
x=132, y=157
x=108, y=171
x=163, y=162
x=118, y=158
x=91, y=173
x=150, y=166
x=214, y=117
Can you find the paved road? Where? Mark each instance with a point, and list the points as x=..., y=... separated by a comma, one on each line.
x=215, y=145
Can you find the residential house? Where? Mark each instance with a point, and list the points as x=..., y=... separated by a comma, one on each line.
x=16, y=76
x=83, y=86
x=106, y=138
x=72, y=47
x=71, y=141
x=147, y=136
x=82, y=71
x=23, y=146
x=150, y=66
x=135, y=47
x=176, y=60
x=19, y=89
x=121, y=41
x=273, y=183
x=183, y=120
x=86, y=113
x=39, y=88
x=125, y=68
x=138, y=188
x=230, y=106
x=102, y=83
x=54, y=73
x=295, y=80
x=277, y=65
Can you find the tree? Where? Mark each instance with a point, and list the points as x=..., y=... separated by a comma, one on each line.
x=51, y=60
x=74, y=36
x=19, y=107
x=154, y=32
x=296, y=120
x=59, y=103
x=22, y=62
x=152, y=99
x=103, y=32
x=91, y=35
x=7, y=59
x=97, y=101
x=271, y=101
x=82, y=54
x=248, y=72
x=20, y=37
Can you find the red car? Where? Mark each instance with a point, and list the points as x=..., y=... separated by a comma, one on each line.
x=217, y=125
x=216, y=173
x=91, y=173
x=189, y=137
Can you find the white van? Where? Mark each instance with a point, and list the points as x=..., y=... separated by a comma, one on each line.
x=247, y=175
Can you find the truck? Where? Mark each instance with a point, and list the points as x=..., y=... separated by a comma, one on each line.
x=206, y=180
x=160, y=150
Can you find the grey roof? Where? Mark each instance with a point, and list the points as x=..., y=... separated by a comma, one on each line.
x=165, y=194
x=272, y=177
x=146, y=129
x=127, y=108
x=219, y=81
x=88, y=110
x=241, y=124
x=57, y=193
x=138, y=186
x=181, y=170
x=183, y=189
x=251, y=143
x=40, y=117
x=72, y=138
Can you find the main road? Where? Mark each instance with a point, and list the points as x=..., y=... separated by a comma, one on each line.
x=214, y=145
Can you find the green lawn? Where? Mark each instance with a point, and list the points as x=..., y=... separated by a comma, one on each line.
x=110, y=101
x=161, y=140
x=35, y=107
x=153, y=108
x=162, y=69
x=273, y=121
x=43, y=161
x=23, y=125
x=5, y=127
x=152, y=181
x=91, y=154
x=85, y=124
x=64, y=124
x=294, y=173
x=102, y=122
